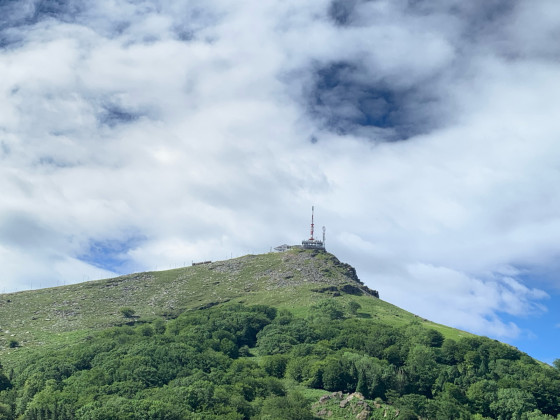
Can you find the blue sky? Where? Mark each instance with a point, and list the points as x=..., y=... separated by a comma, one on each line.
x=137, y=135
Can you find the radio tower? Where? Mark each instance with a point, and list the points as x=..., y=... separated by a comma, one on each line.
x=312, y=225
x=313, y=243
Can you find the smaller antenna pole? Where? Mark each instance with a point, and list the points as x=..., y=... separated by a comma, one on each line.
x=312, y=225
x=324, y=229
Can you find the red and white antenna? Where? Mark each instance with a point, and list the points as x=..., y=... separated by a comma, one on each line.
x=313, y=243
x=312, y=225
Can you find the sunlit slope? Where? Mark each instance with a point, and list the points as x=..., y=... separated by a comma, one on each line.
x=293, y=280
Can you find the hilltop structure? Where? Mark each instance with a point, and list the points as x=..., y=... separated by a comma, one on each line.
x=310, y=243
x=283, y=248
x=313, y=243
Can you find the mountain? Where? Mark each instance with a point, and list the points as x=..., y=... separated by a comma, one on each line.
x=282, y=336
x=292, y=280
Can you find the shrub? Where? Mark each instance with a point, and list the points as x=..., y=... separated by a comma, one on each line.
x=127, y=312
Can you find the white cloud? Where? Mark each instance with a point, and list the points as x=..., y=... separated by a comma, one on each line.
x=115, y=130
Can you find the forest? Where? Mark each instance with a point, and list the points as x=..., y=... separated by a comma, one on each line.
x=237, y=362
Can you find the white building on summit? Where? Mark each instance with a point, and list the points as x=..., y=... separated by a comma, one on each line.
x=283, y=248
x=313, y=243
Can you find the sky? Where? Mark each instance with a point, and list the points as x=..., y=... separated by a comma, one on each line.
x=143, y=134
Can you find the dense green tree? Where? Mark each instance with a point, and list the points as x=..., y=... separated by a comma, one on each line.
x=229, y=348
x=337, y=375
x=416, y=333
x=5, y=383
x=544, y=385
x=275, y=341
x=329, y=308
x=449, y=353
x=5, y=412
x=291, y=407
x=444, y=408
x=275, y=365
x=193, y=367
x=118, y=408
x=512, y=403
x=481, y=394
x=422, y=369
x=300, y=368
x=537, y=415
x=416, y=404
x=353, y=307
x=379, y=338
x=434, y=338
x=374, y=376
x=394, y=354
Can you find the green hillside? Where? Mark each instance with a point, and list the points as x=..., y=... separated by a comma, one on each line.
x=292, y=280
x=280, y=336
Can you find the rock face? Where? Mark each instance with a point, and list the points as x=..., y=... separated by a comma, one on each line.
x=355, y=395
x=310, y=266
x=352, y=290
x=350, y=272
x=354, y=403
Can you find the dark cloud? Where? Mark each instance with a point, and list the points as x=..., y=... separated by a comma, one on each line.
x=397, y=85
x=16, y=16
x=9, y=38
x=189, y=21
x=183, y=21
x=15, y=13
x=113, y=115
x=57, y=9
x=473, y=11
x=340, y=11
x=475, y=14
x=50, y=161
x=345, y=103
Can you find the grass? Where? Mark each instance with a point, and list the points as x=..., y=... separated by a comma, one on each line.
x=58, y=316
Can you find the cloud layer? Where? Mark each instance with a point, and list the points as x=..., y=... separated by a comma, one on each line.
x=148, y=134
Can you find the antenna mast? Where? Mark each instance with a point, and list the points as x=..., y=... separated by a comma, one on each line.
x=313, y=243
x=312, y=225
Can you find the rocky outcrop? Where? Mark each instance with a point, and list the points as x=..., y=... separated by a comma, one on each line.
x=350, y=272
x=352, y=290
x=354, y=403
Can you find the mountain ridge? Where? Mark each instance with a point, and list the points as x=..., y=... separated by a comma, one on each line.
x=294, y=280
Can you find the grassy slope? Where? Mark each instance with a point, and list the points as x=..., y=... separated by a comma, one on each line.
x=60, y=315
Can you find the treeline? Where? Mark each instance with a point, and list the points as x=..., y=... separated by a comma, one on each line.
x=247, y=362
